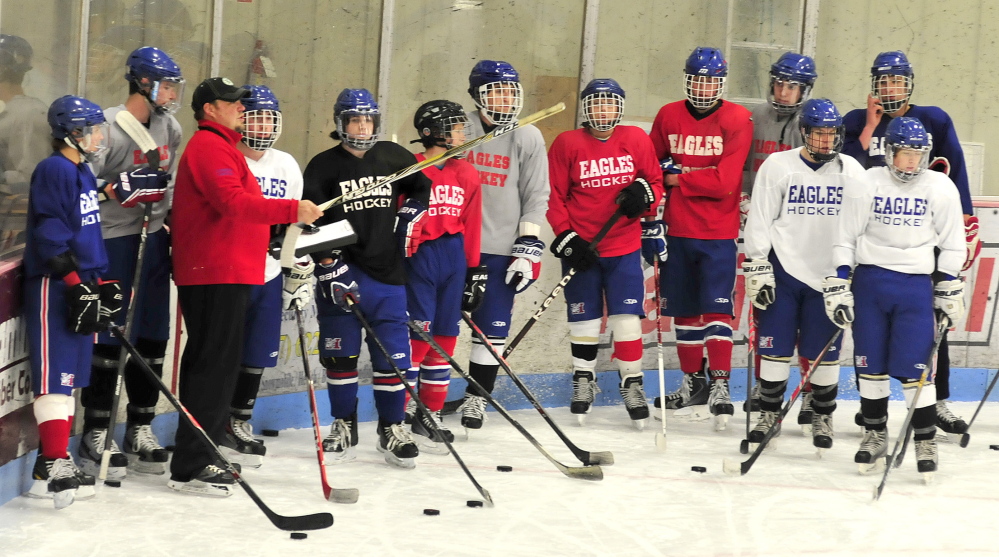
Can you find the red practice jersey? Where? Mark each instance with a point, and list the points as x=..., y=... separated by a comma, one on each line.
x=455, y=205
x=712, y=149
x=587, y=175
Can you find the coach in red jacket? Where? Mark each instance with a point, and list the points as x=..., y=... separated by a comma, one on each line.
x=221, y=225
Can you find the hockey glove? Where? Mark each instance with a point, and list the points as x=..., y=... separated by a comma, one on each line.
x=668, y=167
x=839, y=301
x=760, y=282
x=525, y=263
x=940, y=164
x=142, y=185
x=297, y=291
x=654, y=241
x=948, y=297
x=636, y=198
x=84, y=301
x=112, y=300
x=972, y=241
x=409, y=226
x=743, y=210
x=475, y=288
x=336, y=281
x=574, y=249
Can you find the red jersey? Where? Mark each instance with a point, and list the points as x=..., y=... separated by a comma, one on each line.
x=712, y=149
x=588, y=174
x=455, y=205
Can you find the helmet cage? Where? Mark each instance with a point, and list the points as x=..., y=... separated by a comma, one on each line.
x=703, y=91
x=361, y=142
x=261, y=128
x=815, y=148
x=500, y=101
x=805, y=90
x=603, y=110
x=888, y=83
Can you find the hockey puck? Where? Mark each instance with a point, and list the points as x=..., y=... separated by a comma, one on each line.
x=269, y=432
x=474, y=503
x=502, y=468
x=994, y=447
x=431, y=512
x=700, y=469
x=112, y=483
x=299, y=535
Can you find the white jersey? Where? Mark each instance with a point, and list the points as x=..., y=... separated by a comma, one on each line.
x=279, y=177
x=897, y=225
x=795, y=213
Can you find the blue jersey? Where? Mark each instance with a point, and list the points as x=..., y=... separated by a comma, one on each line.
x=63, y=214
x=941, y=130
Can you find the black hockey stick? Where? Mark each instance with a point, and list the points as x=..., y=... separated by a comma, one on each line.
x=966, y=437
x=558, y=288
x=315, y=521
x=734, y=467
x=412, y=393
x=589, y=458
x=942, y=323
x=591, y=472
x=332, y=494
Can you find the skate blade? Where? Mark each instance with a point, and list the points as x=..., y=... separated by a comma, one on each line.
x=340, y=457
x=196, y=487
x=697, y=413
x=91, y=468
x=581, y=419
x=404, y=463
x=64, y=498
x=771, y=445
x=431, y=447
x=639, y=424
x=721, y=422
x=243, y=459
x=876, y=467
x=819, y=452
x=927, y=478
x=136, y=464
x=806, y=430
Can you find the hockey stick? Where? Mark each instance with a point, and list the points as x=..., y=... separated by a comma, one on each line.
x=558, y=288
x=331, y=494
x=942, y=323
x=750, y=365
x=966, y=437
x=315, y=521
x=660, y=435
x=736, y=468
x=352, y=304
x=140, y=135
x=576, y=472
x=586, y=457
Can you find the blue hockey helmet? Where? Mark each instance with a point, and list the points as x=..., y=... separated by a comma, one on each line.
x=822, y=130
x=603, y=104
x=262, y=118
x=80, y=123
x=704, y=77
x=440, y=123
x=892, y=80
x=907, y=134
x=156, y=75
x=360, y=106
x=495, y=87
x=796, y=74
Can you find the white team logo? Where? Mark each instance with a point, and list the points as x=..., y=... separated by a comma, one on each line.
x=721, y=300
x=578, y=308
x=274, y=354
x=631, y=301
x=66, y=379
x=499, y=323
x=398, y=355
x=332, y=343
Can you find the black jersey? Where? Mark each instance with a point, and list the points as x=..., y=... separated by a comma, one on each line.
x=335, y=172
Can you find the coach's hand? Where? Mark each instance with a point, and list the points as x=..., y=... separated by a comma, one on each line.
x=308, y=212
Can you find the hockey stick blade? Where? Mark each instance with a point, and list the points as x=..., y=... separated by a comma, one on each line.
x=589, y=458
x=966, y=437
x=583, y=473
x=413, y=169
x=316, y=521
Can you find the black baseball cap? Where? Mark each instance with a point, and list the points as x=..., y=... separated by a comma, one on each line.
x=215, y=89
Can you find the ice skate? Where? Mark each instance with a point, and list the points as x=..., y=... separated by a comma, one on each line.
x=397, y=445
x=144, y=452
x=947, y=421
x=340, y=442
x=767, y=421
x=90, y=452
x=410, y=411
x=719, y=401
x=822, y=432
x=426, y=437
x=806, y=413
x=752, y=404
x=240, y=446
x=60, y=480
x=873, y=450
x=690, y=401
x=210, y=481
x=633, y=393
x=584, y=392
x=473, y=412
x=926, y=458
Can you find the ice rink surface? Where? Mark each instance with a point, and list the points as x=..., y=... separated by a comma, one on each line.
x=649, y=503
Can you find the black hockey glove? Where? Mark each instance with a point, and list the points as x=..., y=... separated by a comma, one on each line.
x=475, y=288
x=574, y=249
x=112, y=300
x=336, y=281
x=636, y=198
x=84, y=302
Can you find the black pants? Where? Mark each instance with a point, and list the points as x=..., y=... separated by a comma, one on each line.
x=943, y=369
x=214, y=314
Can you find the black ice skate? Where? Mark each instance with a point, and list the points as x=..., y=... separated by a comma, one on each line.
x=240, y=446
x=584, y=392
x=719, y=401
x=90, y=452
x=342, y=439
x=633, y=392
x=767, y=421
x=425, y=435
x=753, y=403
x=822, y=431
x=926, y=458
x=211, y=481
x=473, y=412
x=806, y=413
x=58, y=479
x=873, y=450
x=397, y=445
x=143, y=450
x=690, y=400
x=947, y=421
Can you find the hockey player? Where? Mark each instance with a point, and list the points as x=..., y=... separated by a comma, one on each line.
x=892, y=81
x=371, y=271
x=889, y=228
x=789, y=238
x=444, y=275
x=63, y=263
x=279, y=177
x=594, y=171
x=709, y=139
x=126, y=185
x=513, y=171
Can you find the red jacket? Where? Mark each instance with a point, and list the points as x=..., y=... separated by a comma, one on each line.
x=220, y=221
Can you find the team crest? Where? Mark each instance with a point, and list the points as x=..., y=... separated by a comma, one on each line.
x=766, y=342
x=332, y=343
x=577, y=308
x=860, y=361
x=423, y=325
x=66, y=379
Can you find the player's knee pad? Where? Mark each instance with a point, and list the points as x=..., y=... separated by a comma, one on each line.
x=583, y=339
x=825, y=374
x=927, y=397
x=775, y=368
x=51, y=407
x=339, y=363
x=873, y=387
x=105, y=358
x=625, y=327
x=480, y=353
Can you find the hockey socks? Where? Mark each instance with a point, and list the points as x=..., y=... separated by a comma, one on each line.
x=52, y=414
x=142, y=392
x=689, y=343
x=390, y=396
x=435, y=374
x=341, y=385
x=245, y=394
x=482, y=366
x=718, y=340
x=96, y=397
